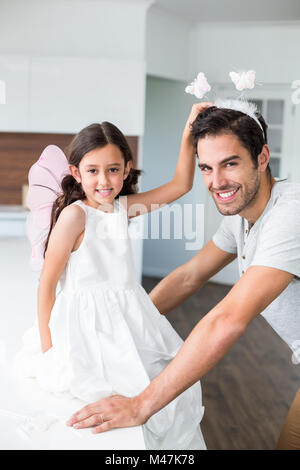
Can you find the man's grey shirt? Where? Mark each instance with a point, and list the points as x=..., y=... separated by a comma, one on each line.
x=273, y=241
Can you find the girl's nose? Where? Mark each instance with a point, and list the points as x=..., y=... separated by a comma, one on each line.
x=103, y=180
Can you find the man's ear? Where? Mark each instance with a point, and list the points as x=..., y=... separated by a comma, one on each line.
x=127, y=169
x=75, y=173
x=264, y=158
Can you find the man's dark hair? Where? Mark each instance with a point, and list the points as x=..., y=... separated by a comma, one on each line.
x=215, y=121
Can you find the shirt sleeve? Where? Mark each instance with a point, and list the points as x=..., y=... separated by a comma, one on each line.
x=224, y=237
x=278, y=244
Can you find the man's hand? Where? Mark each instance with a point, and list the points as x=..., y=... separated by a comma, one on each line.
x=113, y=412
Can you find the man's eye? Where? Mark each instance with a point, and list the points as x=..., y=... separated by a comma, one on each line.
x=230, y=164
x=204, y=168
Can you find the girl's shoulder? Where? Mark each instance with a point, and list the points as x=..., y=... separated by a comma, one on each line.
x=73, y=215
x=69, y=225
x=79, y=206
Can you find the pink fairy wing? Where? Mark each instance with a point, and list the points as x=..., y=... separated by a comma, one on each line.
x=44, y=178
x=47, y=173
x=40, y=197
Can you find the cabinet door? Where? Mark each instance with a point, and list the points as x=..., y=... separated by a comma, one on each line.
x=14, y=109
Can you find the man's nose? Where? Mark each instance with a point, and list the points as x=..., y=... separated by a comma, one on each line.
x=218, y=180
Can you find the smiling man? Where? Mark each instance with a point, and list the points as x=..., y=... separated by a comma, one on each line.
x=261, y=227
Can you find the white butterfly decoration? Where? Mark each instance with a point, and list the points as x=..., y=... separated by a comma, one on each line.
x=243, y=80
x=199, y=87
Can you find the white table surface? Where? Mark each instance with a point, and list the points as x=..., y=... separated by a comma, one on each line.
x=17, y=313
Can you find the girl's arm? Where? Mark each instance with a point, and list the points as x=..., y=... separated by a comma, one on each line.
x=182, y=181
x=67, y=229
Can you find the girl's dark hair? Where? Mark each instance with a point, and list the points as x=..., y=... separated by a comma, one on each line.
x=90, y=138
x=215, y=121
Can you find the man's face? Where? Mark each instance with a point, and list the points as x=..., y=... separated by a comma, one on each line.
x=228, y=173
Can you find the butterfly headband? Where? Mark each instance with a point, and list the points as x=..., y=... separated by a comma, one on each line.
x=199, y=87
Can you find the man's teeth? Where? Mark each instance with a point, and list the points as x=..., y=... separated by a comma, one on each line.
x=225, y=195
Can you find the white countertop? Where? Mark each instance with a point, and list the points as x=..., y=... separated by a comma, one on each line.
x=18, y=310
x=26, y=399
x=13, y=212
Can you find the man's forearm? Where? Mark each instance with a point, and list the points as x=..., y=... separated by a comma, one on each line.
x=173, y=290
x=209, y=341
x=190, y=277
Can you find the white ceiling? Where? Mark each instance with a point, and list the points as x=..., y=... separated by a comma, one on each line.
x=233, y=10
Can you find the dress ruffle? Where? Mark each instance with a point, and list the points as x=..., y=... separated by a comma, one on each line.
x=103, y=345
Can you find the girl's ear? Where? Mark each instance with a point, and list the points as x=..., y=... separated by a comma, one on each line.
x=75, y=173
x=127, y=169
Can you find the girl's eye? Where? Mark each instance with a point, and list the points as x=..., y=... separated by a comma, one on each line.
x=112, y=170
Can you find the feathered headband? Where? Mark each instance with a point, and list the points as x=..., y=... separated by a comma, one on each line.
x=199, y=87
x=243, y=106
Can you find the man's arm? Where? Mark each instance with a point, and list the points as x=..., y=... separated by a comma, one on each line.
x=215, y=334
x=190, y=277
x=209, y=341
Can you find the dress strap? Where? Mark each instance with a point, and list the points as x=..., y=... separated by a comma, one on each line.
x=82, y=205
x=121, y=204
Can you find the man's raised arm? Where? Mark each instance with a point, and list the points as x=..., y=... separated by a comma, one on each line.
x=190, y=277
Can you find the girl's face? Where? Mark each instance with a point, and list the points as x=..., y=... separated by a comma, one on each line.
x=101, y=173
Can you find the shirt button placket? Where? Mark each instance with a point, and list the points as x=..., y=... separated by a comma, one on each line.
x=243, y=257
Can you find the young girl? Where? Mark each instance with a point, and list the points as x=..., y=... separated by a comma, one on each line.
x=101, y=335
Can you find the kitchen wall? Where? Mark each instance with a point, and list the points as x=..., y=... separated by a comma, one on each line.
x=68, y=63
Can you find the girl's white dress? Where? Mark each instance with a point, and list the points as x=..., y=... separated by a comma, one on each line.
x=108, y=337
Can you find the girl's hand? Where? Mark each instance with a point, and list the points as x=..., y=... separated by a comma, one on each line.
x=46, y=341
x=196, y=109
x=46, y=347
x=182, y=181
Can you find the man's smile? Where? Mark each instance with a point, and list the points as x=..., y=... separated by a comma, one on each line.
x=226, y=196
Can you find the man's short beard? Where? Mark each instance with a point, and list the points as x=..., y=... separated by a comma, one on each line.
x=249, y=197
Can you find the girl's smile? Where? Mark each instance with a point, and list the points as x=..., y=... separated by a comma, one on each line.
x=101, y=173
x=104, y=192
